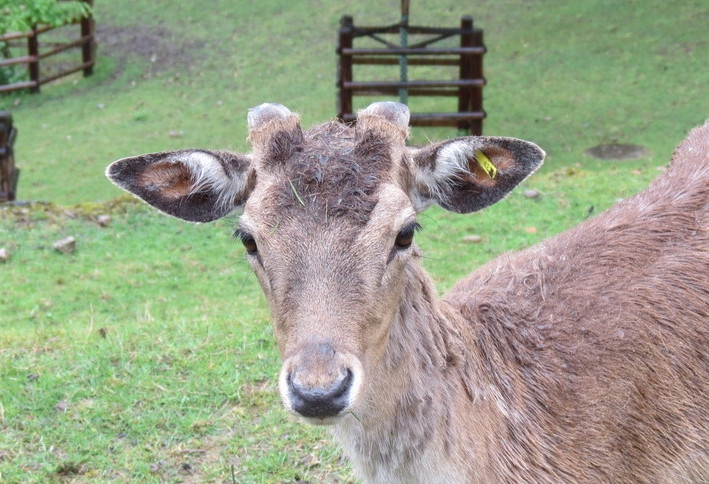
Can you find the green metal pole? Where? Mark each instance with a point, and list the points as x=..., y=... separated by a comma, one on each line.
x=403, y=60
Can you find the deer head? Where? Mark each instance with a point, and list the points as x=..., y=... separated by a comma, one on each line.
x=328, y=224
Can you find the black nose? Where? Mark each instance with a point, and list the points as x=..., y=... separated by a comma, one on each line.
x=320, y=402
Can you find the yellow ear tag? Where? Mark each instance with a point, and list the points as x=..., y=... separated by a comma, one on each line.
x=486, y=164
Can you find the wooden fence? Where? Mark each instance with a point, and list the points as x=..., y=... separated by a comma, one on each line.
x=38, y=51
x=467, y=57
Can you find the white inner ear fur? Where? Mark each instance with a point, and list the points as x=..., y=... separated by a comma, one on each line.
x=451, y=164
x=208, y=174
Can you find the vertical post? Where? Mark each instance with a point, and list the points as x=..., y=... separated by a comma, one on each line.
x=88, y=48
x=5, y=169
x=465, y=93
x=476, y=100
x=403, y=61
x=344, y=67
x=8, y=172
x=33, y=52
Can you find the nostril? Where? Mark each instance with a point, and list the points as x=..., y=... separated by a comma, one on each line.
x=342, y=384
x=320, y=401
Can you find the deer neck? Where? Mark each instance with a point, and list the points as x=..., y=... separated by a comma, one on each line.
x=409, y=400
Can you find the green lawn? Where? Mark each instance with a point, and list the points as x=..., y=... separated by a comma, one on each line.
x=147, y=354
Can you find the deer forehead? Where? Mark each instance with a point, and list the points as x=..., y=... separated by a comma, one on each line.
x=332, y=172
x=391, y=211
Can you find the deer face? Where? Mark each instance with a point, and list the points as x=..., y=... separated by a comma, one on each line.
x=333, y=290
x=328, y=223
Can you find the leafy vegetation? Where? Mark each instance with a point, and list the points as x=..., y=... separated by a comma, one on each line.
x=22, y=15
x=146, y=355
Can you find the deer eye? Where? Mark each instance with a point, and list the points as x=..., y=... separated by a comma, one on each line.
x=248, y=240
x=405, y=237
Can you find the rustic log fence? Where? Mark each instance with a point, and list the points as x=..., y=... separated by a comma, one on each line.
x=38, y=51
x=467, y=57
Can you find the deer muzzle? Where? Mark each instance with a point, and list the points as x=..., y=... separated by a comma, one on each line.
x=320, y=383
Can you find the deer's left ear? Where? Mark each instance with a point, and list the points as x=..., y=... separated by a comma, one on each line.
x=464, y=175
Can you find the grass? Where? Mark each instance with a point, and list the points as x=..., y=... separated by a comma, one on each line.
x=147, y=355
x=117, y=367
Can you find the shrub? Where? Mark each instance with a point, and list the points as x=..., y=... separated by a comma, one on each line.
x=22, y=15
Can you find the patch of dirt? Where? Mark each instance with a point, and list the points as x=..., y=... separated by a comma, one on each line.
x=158, y=46
x=617, y=151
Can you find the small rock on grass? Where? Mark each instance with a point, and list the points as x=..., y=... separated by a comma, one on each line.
x=103, y=220
x=472, y=239
x=531, y=193
x=62, y=406
x=66, y=245
x=4, y=254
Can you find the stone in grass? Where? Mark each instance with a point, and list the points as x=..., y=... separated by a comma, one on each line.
x=66, y=245
x=103, y=220
x=531, y=193
x=62, y=406
x=472, y=239
x=4, y=254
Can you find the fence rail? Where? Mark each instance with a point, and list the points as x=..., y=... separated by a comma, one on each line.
x=468, y=57
x=38, y=51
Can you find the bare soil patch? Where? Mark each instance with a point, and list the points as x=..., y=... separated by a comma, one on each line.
x=617, y=151
x=157, y=45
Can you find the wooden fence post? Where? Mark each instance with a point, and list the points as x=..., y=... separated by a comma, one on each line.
x=9, y=174
x=88, y=49
x=465, y=93
x=476, y=100
x=33, y=66
x=344, y=67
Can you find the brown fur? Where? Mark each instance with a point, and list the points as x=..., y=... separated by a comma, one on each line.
x=330, y=175
x=583, y=359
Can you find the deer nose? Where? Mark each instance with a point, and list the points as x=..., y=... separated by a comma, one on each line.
x=320, y=402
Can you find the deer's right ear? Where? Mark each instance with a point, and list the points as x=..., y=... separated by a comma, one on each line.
x=194, y=185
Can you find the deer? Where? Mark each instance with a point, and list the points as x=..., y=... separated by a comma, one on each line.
x=584, y=358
